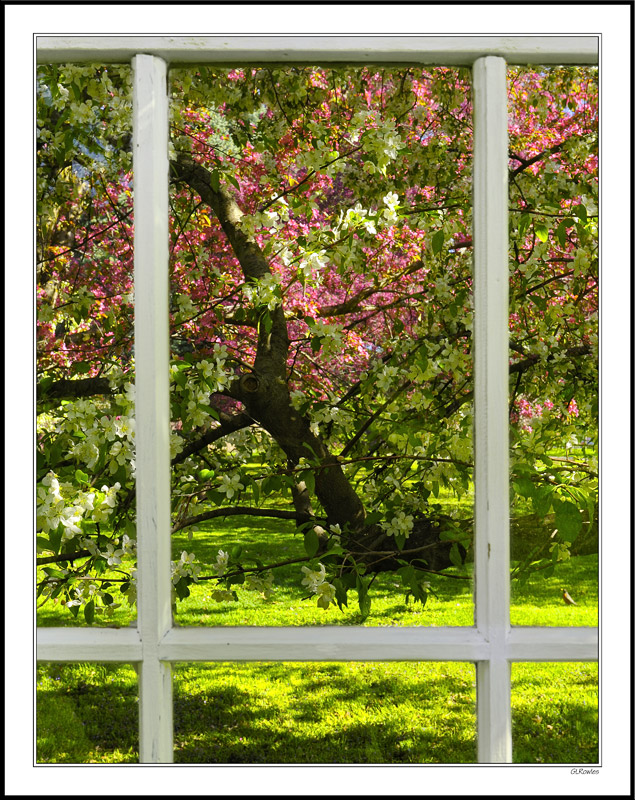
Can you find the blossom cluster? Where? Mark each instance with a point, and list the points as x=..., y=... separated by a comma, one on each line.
x=261, y=583
x=54, y=506
x=185, y=567
x=315, y=581
x=400, y=525
x=265, y=291
x=87, y=592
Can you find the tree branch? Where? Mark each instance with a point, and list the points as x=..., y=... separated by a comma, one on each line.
x=71, y=389
x=247, y=511
x=273, y=340
x=527, y=162
x=228, y=424
x=530, y=361
x=63, y=557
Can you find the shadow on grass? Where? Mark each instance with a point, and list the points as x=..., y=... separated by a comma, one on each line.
x=87, y=712
x=571, y=737
x=319, y=714
x=328, y=713
x=555, y=713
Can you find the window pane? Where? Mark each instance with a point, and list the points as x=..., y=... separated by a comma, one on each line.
x=86, y=714
x=555, y=713
x=85, y=460
x=554, y=344
x=329, y=713
x=321, y=329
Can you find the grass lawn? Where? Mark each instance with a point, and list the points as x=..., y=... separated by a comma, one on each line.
x=281, y=713
x=356, y=713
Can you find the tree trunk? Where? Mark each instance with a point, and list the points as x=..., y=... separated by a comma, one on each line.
x=264, y=391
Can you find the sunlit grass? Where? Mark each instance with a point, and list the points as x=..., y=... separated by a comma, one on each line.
x=87, y=713
x=290, y=713
x=555, y=713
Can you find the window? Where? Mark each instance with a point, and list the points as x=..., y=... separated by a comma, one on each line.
x=492, y=644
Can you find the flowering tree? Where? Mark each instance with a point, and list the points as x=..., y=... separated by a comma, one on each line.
x=321, y=325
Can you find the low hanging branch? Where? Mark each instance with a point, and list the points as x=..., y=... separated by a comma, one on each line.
x=228, y=424
x=247, y=511
x=73, y=389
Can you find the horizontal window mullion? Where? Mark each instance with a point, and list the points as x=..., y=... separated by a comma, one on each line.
x=323, y=644
x=553, y=644
x=89, y=644
x=432, y=50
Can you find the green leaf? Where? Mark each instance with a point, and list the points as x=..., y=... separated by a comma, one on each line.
x=341, y=593
x=541, y=500
x=52, y=572
x=590, y=505
x=255, y=488
x=406, y=574
x=218, y=498
x=542, y=231
x=236, y=579
x=363, y=598
x=523, y=224
x=76, y=92
x=266, y=322
x=524, y=487
x=580, y=212
x=271, y=484
x=81, y=367
x=308, y=476
x=44, y=385
x=215, y=180
x=89, y=612
x=522, y=467
x=182, y=589
x=236, y=551
x=55, y=540
x=437, y=242
x=311, y=543
x=455, y=555
x=81, y=477
x=568, y=520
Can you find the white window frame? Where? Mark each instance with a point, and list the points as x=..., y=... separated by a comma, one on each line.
x=493, y=644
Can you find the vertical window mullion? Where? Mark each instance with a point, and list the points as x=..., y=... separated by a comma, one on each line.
x=150, y=172
x=491, y=434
